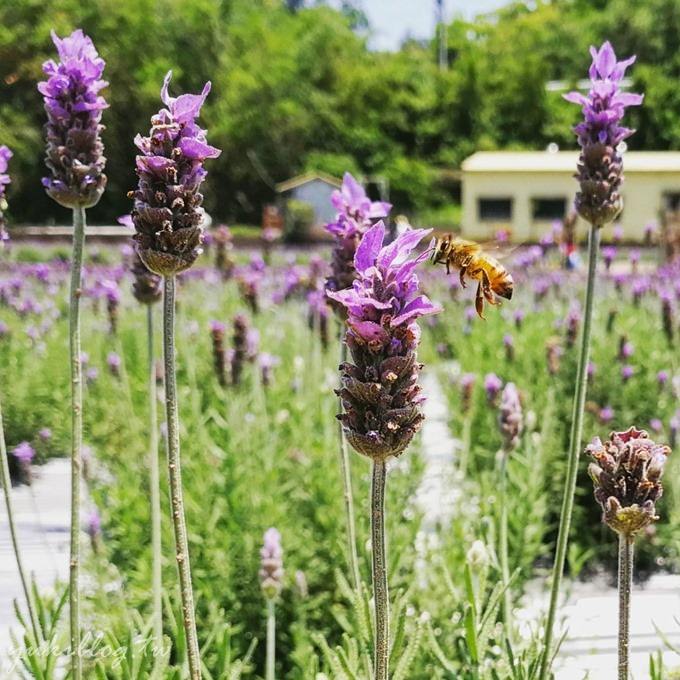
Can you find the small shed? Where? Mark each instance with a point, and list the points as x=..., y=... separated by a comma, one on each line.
x=525, y=191
x=314, y=188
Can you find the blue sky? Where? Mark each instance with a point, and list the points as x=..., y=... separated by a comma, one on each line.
x=391, y=20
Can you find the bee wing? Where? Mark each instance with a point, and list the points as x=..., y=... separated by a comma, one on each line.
x=500, y=250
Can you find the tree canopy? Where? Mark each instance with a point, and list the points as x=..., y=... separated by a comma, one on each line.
x=295, y=88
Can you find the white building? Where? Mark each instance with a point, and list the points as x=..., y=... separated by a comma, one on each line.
x=525, y=191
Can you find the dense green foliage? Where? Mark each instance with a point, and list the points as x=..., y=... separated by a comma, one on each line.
x=297, y=89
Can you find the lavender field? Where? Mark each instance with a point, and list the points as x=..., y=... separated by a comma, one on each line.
x=371, y=451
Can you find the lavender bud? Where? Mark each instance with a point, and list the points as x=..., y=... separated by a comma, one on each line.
x=510, y=417
x=271, y=564
x=267, y=363
x=492, y=386
x=509, y=346
x=93, y=528
x=113, y=361
x=240, y=347
x=467, y=384
x=217, y=330
x=600, y=167
x=611, y=317
x=75, y=153
x=167, y=211
x=379, y=387
x=667, y=315
x=222, y=239
x=553, y=354
x=627, y=478
x=146, y=286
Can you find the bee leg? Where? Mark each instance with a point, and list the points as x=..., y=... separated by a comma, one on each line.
x=461, y=275
x=486, y=288
x=479, y=301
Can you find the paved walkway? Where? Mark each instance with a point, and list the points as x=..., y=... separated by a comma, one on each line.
x=42, y=519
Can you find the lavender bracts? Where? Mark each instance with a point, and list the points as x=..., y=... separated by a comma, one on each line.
x=379, y=388
x=5, y=155
x=167, y=209
x=75, y=153
x=600, y=169
x=355, y=215
x=627, y=477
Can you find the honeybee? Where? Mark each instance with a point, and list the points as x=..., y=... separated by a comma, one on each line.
x=475, y=264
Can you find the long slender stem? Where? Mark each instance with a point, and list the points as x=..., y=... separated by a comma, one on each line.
x=175, y=474
x=347, y=489
x=154, y=483
x=503, y=544
x=76, y=435
x=271, y=639
x=7, y=489
x=574, y=450
x=626, y=547
x=380, y=591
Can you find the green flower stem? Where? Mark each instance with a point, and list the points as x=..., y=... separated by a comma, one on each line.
x=347, y=489
x=626, y=548
x=76, y=435
x=7, y=489
x=380, y=591
x=503, y=543
x=574, y=450
x=154, y=483
x=175, y=474
x=271, y=639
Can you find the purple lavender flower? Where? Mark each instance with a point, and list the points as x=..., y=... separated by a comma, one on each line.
x=113, y=361
x=674, y=429
x=355, y=215
x=627, y=350
x=518, y=318
x=510, y=417
x=600, y=168
x=267, y=364
x=627, y=478
x=24, y=452
x=606, y=414
x=45, y=434
x=379, y=393
x=591, y=370
x=5, y=155
x=662, y=378
x=271, y=565
x=492, y=386
x=656, y=425
x=627, y=372
x=75, y=153
x=608, y=255
x=167, y=211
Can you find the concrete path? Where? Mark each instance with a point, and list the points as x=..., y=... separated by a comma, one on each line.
x=42, y=519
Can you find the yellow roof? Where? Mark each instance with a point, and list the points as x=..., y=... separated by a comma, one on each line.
x=565, y=161
x=308, y=177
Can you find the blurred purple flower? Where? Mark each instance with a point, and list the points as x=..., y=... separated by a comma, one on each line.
x=492, y=386
x=24, y=452
x=606, y=414
x=627, y=372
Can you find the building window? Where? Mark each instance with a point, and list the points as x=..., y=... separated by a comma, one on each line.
x=495, y=209
x=671, y=200
x=548, y=209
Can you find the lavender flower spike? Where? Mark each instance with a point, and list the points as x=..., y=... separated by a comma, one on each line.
x=75, y=153
x=600, y=169
x=510, y=418
x=5, y=155
x=271, y=566
x=167, y=211
x=379, y=393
